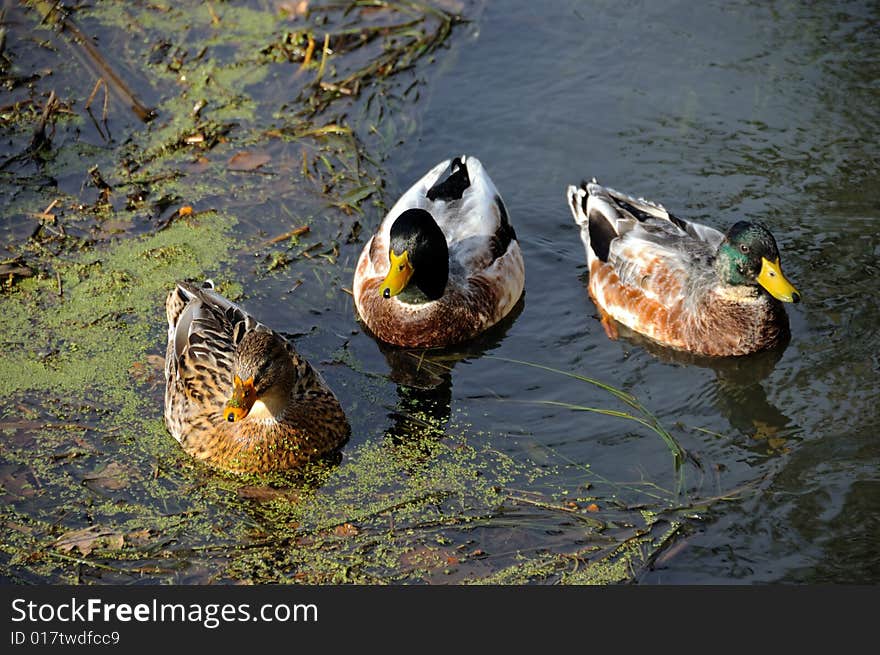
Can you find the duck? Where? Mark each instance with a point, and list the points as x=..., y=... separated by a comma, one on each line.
x=444, y=265
x=238, y=395
x=683, y=284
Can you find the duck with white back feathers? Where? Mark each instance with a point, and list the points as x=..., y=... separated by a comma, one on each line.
x=444, y=265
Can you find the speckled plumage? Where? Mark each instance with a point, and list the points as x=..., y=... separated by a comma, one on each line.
x=209, y=337
x=486, y=270
x=657, y=274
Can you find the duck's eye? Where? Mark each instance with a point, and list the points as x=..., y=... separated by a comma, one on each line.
x=744, y=248
x=400, y=267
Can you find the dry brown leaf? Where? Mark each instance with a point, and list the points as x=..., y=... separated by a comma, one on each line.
x=247, y=161
x=592, y=507
x=18, y=527
x=151, y=371
x=426, y=557
x=87, y=539
x=18, y=483
x=293, y=8
x=345, y=530
x=265, y=494
x=112, y=477
x=199, y=165
x=139, y=537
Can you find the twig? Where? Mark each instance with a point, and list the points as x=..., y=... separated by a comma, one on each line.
x=324, y=53
x=39, y=138
x=54, y=11
x=596, y=523
x=307, y=58
x=94, y=92
x=83, y=562
x=215, y=19
x=299, y=231
x=46, y=214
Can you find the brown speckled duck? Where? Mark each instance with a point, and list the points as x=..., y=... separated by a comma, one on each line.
x=683, y=284
x=444, y=264
x=238, y=396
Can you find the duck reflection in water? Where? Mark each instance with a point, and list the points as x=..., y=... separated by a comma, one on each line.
x=740, y=394
x=424, y=380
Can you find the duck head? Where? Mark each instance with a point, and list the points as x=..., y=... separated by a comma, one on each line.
x=418, y=256
x=263, y=377
x=749, y=256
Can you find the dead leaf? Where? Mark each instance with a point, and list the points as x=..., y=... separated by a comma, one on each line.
x=18, y=527
x=247, y=161
x=87, y=539
x=112, y=477
x=157, y=362
x=293, y=8
x=151, y=372
x=199, y=165
x=428, y=558
x=265, y=494
x=592, y=507
x=15, y=268
x=18, y=483
x=345, y=530
x=139, y=537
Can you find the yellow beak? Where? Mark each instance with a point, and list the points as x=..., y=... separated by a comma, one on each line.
x=243, y=398
x=772, y=279
x=398, y=275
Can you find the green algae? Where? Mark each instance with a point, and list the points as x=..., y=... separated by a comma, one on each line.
x=119, y=289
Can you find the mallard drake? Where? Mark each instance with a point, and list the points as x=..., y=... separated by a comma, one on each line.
x=685, y=285
x=444, y=264
x=238, y=396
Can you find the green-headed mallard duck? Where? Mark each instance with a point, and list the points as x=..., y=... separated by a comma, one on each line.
x=683, y=284
x=238, y=396
x=444, y=264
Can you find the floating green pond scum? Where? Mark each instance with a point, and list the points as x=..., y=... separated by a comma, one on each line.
x=93, y=488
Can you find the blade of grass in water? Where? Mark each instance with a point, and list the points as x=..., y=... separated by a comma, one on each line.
x=649, y=421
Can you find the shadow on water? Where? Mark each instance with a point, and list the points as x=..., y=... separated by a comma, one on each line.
x=740, y=393
x=423, y=378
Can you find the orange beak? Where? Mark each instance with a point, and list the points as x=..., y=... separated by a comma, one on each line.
x=243, y=397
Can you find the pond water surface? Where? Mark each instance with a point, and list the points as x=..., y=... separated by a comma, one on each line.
x=719, y=110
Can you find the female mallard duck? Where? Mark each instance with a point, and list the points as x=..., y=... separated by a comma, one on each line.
x=444, y=264
x=238, y=396
x=684, y=285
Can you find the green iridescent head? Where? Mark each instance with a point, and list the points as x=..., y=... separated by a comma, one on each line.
x=748, y=256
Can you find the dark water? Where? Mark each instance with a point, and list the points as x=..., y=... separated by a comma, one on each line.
x=722, y=111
